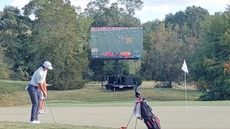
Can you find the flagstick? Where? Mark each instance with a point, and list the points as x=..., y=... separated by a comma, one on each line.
x=185, y=95
x=185, y=69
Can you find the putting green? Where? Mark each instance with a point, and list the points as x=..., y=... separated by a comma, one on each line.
x=115, y=116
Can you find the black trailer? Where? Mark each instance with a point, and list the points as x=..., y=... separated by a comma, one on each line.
x=121, y=82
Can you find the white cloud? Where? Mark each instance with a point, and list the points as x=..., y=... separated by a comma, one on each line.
x=4, y=3
x=81, y=3
x=166, y=2
x=212, y=6
x=149, y=12
x=157, y=9
x=19, y=3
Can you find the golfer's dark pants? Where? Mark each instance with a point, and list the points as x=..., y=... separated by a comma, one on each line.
x=35, y=96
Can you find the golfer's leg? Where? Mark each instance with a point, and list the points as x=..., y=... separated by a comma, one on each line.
x=38, y=97
x=34, y=100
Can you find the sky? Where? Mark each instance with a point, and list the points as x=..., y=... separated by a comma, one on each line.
x=152, y=9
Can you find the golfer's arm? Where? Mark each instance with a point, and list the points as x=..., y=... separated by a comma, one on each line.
x=41, y=87
x=45, y=88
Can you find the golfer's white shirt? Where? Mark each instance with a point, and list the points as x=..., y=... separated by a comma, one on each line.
x=39, y=76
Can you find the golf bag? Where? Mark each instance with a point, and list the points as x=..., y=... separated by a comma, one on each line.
x=144, y=112
x=150, y=120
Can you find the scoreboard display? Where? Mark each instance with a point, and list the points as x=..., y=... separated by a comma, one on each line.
x=116, y=42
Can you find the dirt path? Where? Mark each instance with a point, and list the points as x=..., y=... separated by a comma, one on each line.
x=172, y=117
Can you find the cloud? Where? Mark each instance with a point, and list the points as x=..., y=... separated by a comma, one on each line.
x=81, y=3
x=150, y=12
x=19, y=3
x=166, y=2
x=22, y=3
x=4, y=3
x=157, y=9
x=212, y=6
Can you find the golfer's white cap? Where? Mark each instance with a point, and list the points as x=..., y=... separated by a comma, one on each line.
x=48, y=65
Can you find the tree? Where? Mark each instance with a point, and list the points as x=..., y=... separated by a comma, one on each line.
x=15, y=39
x=167, y=45
x=148, y=29
x=164, y=59
x=104, y=14
x=131, y=5
x=60, y=35
x=189, y=22
x=4, y=68
x=210, y=67
x=178, y=19
x=194, y=18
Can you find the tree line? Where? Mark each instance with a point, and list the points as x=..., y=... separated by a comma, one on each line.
x=60, y=33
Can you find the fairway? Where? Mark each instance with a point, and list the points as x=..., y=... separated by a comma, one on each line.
x=117, y=115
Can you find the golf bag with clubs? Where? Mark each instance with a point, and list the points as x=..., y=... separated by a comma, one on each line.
x=144, y=112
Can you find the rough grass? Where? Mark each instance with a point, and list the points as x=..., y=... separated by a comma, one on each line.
x=7, y=86
x=97, y=94
x=13, y=93
x=21, y=125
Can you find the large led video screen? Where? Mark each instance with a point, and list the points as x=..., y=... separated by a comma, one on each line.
x=116, y=42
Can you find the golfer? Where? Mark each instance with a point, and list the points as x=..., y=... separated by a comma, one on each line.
x=35, y=89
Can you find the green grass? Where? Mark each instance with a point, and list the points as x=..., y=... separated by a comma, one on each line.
x=7, y=86
x=14, y=93
x=97, y=94
x=190, y=103
x=21, y=125
x=130, y=103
